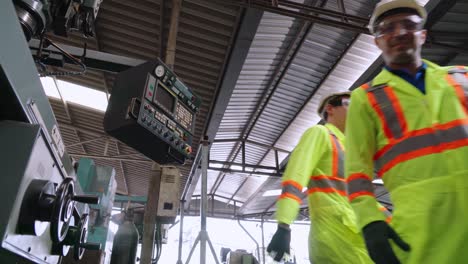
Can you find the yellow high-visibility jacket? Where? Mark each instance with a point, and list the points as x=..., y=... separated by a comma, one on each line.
x=418, y=144
x=316, y=164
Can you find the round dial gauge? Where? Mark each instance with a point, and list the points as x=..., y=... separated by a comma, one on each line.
x=159, y=71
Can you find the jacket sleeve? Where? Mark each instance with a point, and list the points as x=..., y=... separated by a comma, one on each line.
x=301, y=164
x=361, y=133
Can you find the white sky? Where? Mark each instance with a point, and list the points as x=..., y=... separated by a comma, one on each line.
x=228, y=234
x=75, y=93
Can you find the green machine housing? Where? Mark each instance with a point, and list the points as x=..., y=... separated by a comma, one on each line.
x=100, y=181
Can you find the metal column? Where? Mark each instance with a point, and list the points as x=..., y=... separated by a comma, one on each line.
x=149, y=221
x=203, y=234
x=181, y=231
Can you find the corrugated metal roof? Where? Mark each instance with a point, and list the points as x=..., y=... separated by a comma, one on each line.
x=321, y=49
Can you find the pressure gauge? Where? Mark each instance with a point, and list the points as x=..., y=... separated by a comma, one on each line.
x=159, y=71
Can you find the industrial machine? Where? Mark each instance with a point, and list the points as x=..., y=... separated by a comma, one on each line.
x=57, y=16
x=44, y=213
x=153, y=111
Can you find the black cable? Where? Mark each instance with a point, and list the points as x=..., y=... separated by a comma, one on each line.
x=158, y=244
x=66, y=54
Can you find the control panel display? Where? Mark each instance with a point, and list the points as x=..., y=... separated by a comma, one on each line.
x=164, y=98
x=170, y=101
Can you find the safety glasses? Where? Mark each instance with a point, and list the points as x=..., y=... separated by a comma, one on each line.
x=340, y=101
x=404, y=25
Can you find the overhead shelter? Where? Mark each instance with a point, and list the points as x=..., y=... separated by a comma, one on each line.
x=260, y=68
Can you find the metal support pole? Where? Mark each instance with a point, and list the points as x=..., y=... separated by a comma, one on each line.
x=263, y=240
x=181, y=231
x=203, y=201
x=203, y=237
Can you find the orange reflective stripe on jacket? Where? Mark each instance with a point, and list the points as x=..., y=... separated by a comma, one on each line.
x=292, y=190
x=336, y=182
x=404, y=145
x=387, y=214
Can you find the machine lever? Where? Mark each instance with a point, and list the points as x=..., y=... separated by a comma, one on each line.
x=86, y=198
x=91, y=246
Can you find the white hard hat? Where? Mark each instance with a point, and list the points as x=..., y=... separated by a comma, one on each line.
x=386, y=5
x=327, y=99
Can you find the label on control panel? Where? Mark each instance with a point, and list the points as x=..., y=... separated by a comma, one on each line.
x=150, y=86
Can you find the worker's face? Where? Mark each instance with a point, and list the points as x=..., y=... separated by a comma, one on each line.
x=338, y=112
x=400, y=37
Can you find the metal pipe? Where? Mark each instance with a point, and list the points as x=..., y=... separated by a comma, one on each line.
x=174, y=27
x=161, y=29
x=216, y=195
x=250, y=142
x=327, y=12
x=84, y=142
x=240, y=171
x=225, y=163
x=251, y=237
x=107, y=158
x=181, y=232
x=203, y=201
x=312, y=18
x=263, y=240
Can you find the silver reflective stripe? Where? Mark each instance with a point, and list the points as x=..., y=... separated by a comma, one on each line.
x=360, y=185
x=415, y=143
x=291, y=190
x=387, y=213
x=457, y=70
x=327, y=183
x=385, y=104
x=459, y=76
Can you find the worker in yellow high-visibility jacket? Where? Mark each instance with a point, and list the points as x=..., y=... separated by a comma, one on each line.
x=410, y=125
x=317, y=164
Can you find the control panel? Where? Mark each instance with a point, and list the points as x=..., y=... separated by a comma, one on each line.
x=161, y=104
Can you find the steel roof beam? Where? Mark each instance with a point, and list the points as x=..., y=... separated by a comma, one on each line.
x=94, y=59
x=358, y=26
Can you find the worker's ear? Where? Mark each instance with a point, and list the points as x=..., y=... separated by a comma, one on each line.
x=329, y=109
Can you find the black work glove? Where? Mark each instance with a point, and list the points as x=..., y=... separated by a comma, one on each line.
x=377, y=235
x=279, y=243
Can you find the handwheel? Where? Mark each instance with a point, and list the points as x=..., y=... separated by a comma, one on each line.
x=62, y=210
x=78, y=250
x=81, y=244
